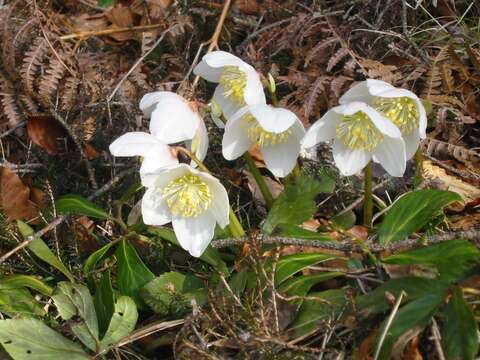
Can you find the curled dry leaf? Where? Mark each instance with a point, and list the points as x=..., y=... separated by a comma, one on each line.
x=16, y=198
x=46, y=132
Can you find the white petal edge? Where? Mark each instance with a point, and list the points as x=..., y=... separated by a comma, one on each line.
x=220, y=206
x=349, y=161
x=133, y=144
x=155, y=210
x=228, y=107
x=235, y=141
x=412, y=141
x=273, y=119
x=390, y=153
x=364, y=91
x=199, y=143
x=161, y=177
x=253, y=93
x=322, y=130
x=219, y=58
x=195, y=233
x=173, y=120
x=159, y=156
x=281, y=158
x=149, y=101
x=207, y=72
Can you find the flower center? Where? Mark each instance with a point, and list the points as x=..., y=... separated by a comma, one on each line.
x=358, y=132
x=187, y=196
x=234, y=81
x=402, y=111
x=262, y=137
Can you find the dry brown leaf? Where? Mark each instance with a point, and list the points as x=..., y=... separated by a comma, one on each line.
x=411, y=351
x=15, y=197
x=46, y=132
x=274, y=186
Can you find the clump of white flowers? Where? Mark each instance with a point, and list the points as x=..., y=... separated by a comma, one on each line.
x=374, y=121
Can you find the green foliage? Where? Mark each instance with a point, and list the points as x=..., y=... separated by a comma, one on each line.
x=301, y=285
x=17, y=301
x=132, y=273
x=76, y=204
x=459, y=330
x=295, y=204
x=238, y=281
x=95, y=257
x=172, y=292
x=412, y=212
x=291, y=264
x=104, y=301
x=301, y=233
x=106, y=3
x=41, y=250
x=31, y=339
x=27, y=281
x=75, y=300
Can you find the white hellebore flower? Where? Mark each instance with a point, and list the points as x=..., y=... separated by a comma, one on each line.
x=238, y=82
x=360, y=133
x=400, y=106
x=193, y=201
x=174, y=120
x=276, y=131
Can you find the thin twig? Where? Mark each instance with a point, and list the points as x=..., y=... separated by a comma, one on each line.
x=9, y=131
x=86, y=34
x=436, y=339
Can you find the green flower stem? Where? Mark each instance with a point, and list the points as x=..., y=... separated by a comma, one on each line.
x=368, y=200
x=235, y=226
x=267, y=195
x=418, y=168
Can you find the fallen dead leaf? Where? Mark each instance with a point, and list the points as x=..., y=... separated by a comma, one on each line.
x=46, y=132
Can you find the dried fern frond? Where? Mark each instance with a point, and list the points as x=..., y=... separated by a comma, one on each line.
x=442, y=149
x=339, y=55
x=70, y=93
x=8, y=104
x=377, y=70
x=316, y=89
x=337, y=85
x=29, y=105
x=319, y=50
x=446, y=100
x=32, y=61
x=434, y=76
x=50, y=79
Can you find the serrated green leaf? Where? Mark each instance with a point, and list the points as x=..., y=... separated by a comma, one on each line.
x=412, y=212
x=462, y=253
x=41, y=250
x=301, y=285
x=409, y=320
x=75, y=300
x=172, y=291
x=95, y=257
x=77, y=204
x=315, y=314
x=291, y=264
x=18, y=302
x=104, y=301
x=27, y=281
x=132, y=273
x=31, y=339
x=122, y=323
x=210, y=256
x=459, y=330
x=294, y=205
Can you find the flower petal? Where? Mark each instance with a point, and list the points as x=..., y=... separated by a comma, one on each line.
x=273, y=119
x=228, y=107
x=149, y=101
x=221, y=58
x=199, y=143
x=207, y=72
x=422, y=126
x=322, y=130
x=384, y=125
x=158, y=157
x=412, y=141
x=155, y=210
x=133, y=144
x=253, y=93
x=281, y=158
x=235, y=139
x=390, y=153
x=173, y=120
x=161, y=177
x=194, y=233
x=349, y=161
x=220, y=206
x=364, y=91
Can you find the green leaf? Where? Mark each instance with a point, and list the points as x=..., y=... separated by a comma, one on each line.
x=301, y=233
x=75, y=300
x=412, y=212
x=210, y=256
x=17, y=301
x=238, y=281
x=291, y=264
x=122, y=323
x=104, y=302
x=40, y=249
x=441, y=256
x=344, y=221
x=415, y=287
x=27, y=281
x=173, y=291
x=31, y=339
x=132, y=273
x=408, y=321
x=314, y=314
x=459, y=330
x=301, y=285
x=106, y=3
x=76, y=204
x=95, y=257
x=294, y=205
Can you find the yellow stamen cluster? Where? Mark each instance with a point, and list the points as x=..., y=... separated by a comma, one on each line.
x=234, y=81
x=402, y=111
x=261, y=136
x=187, y=196
x=358, y=132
